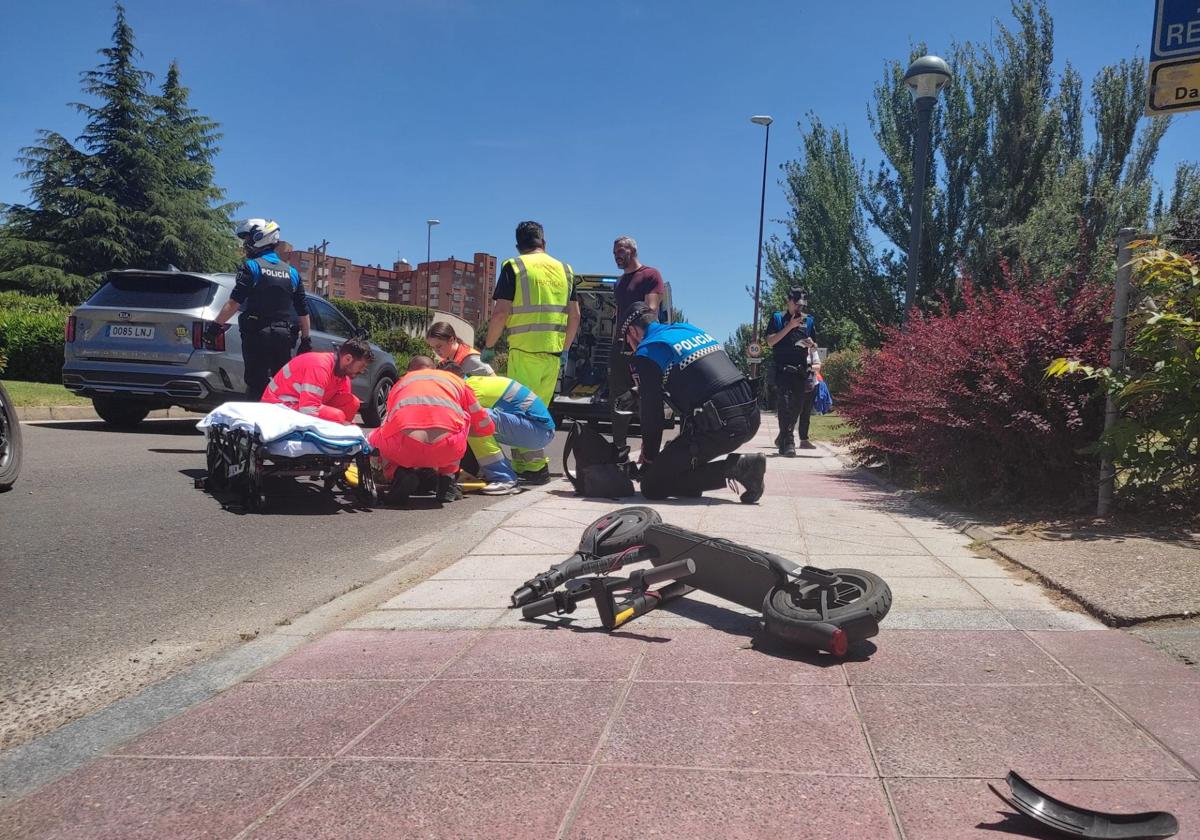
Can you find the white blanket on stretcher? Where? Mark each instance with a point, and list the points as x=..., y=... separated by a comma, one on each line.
x=287, y=433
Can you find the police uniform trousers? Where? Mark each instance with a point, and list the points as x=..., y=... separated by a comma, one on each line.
x=794, y=402
x=265, y=349
x=685, y=467
x=539, y=373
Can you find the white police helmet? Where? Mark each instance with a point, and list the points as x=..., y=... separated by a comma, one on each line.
x=258, y=234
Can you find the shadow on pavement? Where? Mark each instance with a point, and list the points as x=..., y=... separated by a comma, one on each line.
x=183, y=426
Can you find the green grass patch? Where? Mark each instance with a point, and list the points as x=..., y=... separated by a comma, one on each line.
x=41, y=394
x=827, y=427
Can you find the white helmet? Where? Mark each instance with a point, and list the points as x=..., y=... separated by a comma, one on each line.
x=258, y=234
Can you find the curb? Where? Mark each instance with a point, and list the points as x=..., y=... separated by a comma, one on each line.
x=33, y=413
x=29, y=766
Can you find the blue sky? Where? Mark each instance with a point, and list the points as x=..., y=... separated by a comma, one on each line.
x=357, y=120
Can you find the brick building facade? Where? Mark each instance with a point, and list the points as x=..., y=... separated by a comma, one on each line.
x=456, y=286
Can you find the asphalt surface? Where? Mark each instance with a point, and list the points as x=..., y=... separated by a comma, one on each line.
x=115, y=572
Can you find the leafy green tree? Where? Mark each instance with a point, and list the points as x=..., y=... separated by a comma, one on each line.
x=827, y=249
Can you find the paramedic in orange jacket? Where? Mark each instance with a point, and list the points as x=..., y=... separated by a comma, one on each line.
x=318, y=384
x=430, y=414
x=448, y=347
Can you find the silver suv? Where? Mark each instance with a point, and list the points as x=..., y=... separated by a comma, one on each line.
x=137, y=345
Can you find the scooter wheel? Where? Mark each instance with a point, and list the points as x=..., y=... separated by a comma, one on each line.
x=632, y=523
x=799, y=603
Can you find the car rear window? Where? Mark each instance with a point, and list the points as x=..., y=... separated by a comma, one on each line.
x=154, y=291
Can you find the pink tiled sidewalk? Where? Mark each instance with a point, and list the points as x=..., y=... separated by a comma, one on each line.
x=441, y=715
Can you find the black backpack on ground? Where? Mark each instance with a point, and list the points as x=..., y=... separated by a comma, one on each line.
x=598, y=467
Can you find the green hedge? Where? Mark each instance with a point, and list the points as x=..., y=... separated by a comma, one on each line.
x=380, y=318
x=31, y=337
x=839, y=369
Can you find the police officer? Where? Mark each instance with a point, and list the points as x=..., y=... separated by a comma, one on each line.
x=790, y=334
x=712, y=396
x=536, y=304
x=270, y=295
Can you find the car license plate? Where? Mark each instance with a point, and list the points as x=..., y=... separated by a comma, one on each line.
x=130, y=331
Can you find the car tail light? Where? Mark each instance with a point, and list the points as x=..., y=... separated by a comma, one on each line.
x=69, y=329
x=198, y=337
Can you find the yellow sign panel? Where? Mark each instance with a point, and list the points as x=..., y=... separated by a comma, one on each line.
x=1174, y=86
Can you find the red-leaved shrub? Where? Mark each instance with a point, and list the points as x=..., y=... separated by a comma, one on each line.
x=959, y=401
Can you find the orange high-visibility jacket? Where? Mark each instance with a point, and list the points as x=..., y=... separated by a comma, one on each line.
x=436, y=399
x=307, y=383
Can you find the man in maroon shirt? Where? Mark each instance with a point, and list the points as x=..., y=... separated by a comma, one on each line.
x=638, y=283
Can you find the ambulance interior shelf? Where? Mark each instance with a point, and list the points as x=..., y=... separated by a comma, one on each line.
x=586, y=370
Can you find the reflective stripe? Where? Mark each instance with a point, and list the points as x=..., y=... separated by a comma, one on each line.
x=310, y=389
x=531, y=454
x=442, y=401
x=524, y=328
x=511, y=392
x=492, y=458
x=288, y=398
x=428, y=377
x=310, y=409
x=527, y=403
x=539, y=307
x=522, y=278
x=273, y=386
x=475, y=408
x=287, y=370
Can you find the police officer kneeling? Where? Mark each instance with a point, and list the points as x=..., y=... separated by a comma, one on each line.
x=714, y=399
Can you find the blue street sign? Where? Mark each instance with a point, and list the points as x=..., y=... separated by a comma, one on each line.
x=1176, y=29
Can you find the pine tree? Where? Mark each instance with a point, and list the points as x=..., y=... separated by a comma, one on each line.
x=134, y=191
x=197, y=233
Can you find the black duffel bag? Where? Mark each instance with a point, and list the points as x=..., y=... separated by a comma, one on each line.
x=598, y=468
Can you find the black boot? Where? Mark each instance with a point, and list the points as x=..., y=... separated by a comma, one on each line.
x=447, y=490
x=749, y=471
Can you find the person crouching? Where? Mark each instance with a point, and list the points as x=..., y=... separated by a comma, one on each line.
x=430, y=415
x=318, y=384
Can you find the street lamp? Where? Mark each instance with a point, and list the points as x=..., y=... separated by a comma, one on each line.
x=428, y=282
x=765, y=121
x=925, y=79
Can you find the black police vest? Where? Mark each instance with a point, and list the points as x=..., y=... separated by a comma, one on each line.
x=696, y=365
x=790, y=351
x=270, y=299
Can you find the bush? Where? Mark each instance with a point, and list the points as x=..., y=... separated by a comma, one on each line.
x=839, y=369
x=1156, y=443
x=400, y=343
x=960, y=401
x=380, y=318
x=31, y=336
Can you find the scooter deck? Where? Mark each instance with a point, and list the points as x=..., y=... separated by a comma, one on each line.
x=726, y=569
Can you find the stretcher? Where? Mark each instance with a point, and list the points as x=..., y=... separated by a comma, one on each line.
x=251, y=442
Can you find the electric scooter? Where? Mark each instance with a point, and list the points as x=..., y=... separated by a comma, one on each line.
x=823, y=609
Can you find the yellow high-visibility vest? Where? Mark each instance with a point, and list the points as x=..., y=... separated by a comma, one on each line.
x=538, y=323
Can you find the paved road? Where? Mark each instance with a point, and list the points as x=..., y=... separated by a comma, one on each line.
x=115, y=572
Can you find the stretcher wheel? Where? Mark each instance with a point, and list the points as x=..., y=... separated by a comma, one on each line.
x=367, y=491
x=631, y=525
x=218, y=476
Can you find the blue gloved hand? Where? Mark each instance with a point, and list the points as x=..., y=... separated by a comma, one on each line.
x=486, y=355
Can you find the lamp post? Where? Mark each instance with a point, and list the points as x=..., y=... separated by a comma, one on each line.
x=765, y=121
x=925, y=79
x=429, y=223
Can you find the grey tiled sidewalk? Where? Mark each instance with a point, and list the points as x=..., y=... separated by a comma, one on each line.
x=441, y=714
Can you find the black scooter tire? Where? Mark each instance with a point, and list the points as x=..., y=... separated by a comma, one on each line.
x=636, y=521
x=780, y=609
x=10, y=459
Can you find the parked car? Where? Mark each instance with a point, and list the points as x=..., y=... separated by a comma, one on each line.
x=137, y=345
x=582, y=392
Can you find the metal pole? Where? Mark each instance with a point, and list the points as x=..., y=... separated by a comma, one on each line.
x=917, y=222
x=762, y=206
x=1116, y=359
x=428, y=286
